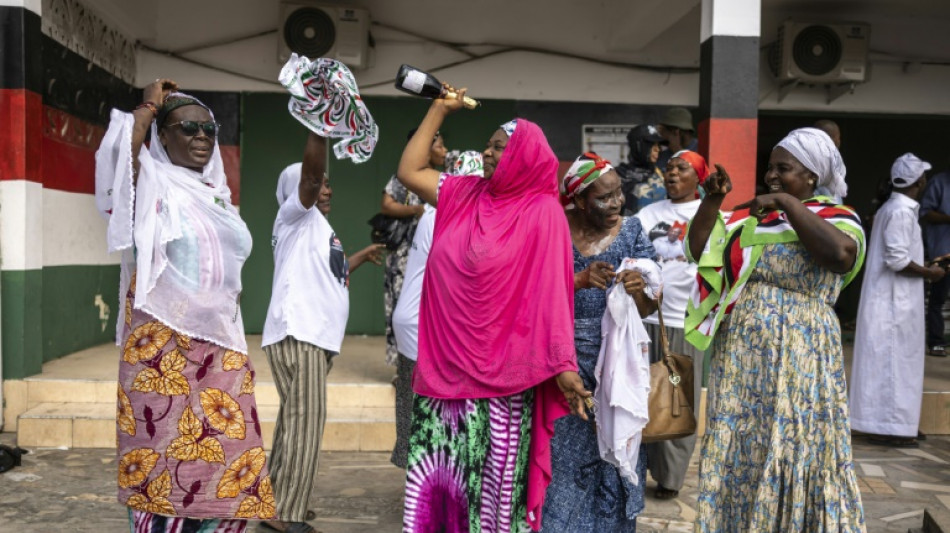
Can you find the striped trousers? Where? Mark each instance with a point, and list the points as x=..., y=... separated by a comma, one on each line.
x=300, y=371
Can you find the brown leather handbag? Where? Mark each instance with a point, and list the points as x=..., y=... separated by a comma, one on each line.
x=671, y=393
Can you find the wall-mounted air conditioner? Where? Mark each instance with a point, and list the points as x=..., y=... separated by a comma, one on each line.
x=820, y=53
x=323, y=30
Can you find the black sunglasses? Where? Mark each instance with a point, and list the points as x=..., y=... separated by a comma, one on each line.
x=191, y=127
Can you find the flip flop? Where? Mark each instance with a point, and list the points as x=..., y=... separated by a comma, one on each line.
x=893, y=442
x=300, y=527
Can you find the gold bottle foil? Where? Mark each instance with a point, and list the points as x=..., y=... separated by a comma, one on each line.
x=467, y=103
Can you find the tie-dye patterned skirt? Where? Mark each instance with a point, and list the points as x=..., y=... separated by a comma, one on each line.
x=468, y=465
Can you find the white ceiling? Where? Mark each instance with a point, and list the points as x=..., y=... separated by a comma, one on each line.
x=653, y=31
x=647, y=32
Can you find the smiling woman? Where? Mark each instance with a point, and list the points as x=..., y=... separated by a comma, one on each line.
x=494, y=334
x=767, y=279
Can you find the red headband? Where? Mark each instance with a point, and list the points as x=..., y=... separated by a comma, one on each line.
x=696, y=161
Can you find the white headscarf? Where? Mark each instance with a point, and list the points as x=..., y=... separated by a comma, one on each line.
x=177, y=230
x=815, y=150
x=288, y=182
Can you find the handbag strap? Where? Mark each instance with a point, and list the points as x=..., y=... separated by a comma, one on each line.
x=664, y=341
x=668, y=359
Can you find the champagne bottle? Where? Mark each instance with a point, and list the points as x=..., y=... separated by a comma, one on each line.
x=416, y=82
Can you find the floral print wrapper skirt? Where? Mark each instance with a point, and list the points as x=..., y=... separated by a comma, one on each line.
x=468, y=465
x=776, y=454
x=189, y=434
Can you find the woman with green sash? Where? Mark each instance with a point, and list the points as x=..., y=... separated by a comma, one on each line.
x=776, y=454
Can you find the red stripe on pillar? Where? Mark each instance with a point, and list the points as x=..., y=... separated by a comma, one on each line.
x=69, y=151
x=20, y=132
x=231, y=155
x=731, y=142
x=68, y=167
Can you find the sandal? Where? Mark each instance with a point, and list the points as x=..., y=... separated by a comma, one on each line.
x=663, y=493
x=938, y=351
x=894, y=442
x=289, y=527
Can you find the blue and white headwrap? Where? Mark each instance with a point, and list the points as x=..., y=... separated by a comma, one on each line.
x=509, y=126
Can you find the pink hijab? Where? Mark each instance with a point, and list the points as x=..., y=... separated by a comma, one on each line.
x=497, y=313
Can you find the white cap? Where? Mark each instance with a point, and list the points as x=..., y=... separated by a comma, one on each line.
x=907, y=169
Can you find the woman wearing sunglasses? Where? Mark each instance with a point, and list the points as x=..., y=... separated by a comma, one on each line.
x=189, y=441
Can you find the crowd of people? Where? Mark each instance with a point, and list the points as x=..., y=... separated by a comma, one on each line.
x=497, y=304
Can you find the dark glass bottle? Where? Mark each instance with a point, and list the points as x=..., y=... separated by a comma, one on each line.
x=419, y=83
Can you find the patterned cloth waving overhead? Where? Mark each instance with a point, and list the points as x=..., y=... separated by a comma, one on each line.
x=325, y=99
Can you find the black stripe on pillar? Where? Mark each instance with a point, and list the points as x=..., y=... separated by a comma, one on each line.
x=729, y=77
x=20, y=66
x=74, y=85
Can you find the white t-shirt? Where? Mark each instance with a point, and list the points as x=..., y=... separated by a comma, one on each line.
x=668, y=250
x=406, y=314
x=678, y=275
x=310, y=297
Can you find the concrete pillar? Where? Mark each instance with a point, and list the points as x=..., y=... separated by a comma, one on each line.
x=21, y=188
x=729, y=90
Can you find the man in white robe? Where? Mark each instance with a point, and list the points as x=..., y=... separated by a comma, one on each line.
x=887, y=374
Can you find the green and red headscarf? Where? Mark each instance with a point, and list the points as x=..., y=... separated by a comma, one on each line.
x=586, y=169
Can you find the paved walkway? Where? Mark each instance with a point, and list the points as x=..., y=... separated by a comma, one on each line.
x=74, y=490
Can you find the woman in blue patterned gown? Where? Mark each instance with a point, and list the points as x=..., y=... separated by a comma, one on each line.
x=776, y=453
x=587, y=493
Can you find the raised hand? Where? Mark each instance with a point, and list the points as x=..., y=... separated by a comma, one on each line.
x=450, y=105
x=718, y=183
x=158, y=90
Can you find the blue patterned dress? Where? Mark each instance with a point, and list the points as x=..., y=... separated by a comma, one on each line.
x=587, y=493
x=776, y=454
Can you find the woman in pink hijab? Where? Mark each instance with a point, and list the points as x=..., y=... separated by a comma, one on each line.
x=496, y=340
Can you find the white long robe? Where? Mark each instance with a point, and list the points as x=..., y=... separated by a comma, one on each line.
x=887, y=374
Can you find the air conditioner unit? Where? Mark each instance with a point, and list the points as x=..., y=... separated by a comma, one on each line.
x=322, y=30
x=809, y=52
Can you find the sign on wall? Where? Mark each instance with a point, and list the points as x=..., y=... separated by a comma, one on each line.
x=609, y=141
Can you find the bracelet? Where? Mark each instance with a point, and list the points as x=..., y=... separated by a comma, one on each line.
x=150, y=106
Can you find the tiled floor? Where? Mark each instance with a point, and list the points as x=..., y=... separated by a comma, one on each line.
x=58, y=490
x=74, y=490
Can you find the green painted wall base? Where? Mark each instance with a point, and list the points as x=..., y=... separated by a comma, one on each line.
x=21, y=322
x=52, y=312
